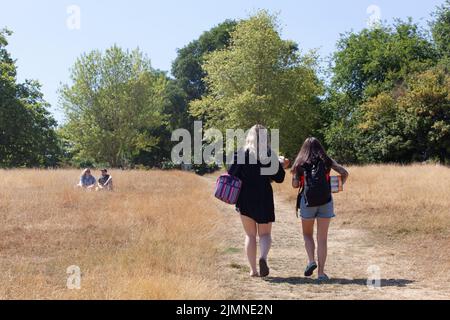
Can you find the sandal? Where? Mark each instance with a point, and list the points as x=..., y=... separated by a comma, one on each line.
x=263, y=268
x=323, y=278
x=310, y=269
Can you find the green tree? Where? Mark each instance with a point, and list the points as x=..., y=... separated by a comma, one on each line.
x=114, y=106
x=339, y=118
x=187, y=67
x=411, y=123
x=187, y=84
x=427, y=100
x=385, y=133
x=27, y=130
x=374, y=60
x=260, y=78
x=365, y=66
x=440, y=28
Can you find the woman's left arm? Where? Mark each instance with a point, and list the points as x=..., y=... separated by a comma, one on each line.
x=340, y=169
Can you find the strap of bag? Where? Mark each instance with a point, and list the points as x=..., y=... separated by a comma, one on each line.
x=301, y=181
x=235, y=172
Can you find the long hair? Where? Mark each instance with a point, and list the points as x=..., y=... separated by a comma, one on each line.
x=85, y=171
x=311, y=151
x=256, y=137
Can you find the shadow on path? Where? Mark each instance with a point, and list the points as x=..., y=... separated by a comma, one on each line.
x=361, y=282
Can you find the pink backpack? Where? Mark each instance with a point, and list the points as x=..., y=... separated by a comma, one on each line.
x=228, y=188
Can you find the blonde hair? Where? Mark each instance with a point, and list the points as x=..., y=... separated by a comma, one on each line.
x=252, y=143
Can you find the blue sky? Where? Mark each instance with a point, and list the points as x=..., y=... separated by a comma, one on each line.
x=45, y=47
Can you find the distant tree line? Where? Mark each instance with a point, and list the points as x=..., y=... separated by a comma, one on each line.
x=384, y=98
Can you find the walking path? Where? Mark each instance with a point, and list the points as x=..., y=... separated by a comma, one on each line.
x=353, y=256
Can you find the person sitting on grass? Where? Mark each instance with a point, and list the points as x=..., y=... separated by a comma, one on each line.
x=87, y=180
x=105, y=182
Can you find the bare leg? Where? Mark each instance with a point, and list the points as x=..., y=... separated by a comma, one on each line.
x=250, y=242
x=308, y=236
x=265, y=239
x=322, y=242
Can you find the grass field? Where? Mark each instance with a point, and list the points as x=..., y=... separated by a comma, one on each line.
x=394, y=200
x=153, y=238
x=160, y=235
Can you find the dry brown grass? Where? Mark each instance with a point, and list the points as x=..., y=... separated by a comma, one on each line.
x=160, y=236
x=153, y=238
x=393, y=200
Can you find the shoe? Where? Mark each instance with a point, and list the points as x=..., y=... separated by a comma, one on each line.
x=323, y=278
x=263, y=268
x=310, y=269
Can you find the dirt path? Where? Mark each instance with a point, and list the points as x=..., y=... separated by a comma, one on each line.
x=351, y=253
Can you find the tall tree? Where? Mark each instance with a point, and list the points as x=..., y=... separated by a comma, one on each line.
x=373, y=60
x=411, y=123
x=366, y=65
x=187, y=67
x=114, y=106
x=187, y=84
x=260, y=78
x=27, y=130
x=440, y=28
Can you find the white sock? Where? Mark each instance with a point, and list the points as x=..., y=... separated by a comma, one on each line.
x=265, y=242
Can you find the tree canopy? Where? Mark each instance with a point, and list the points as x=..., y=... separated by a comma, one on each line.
x=386, y=98
x=440, y=28
x=187, y=67
x=261, y=78
x=27, y=129
x=381, y=78
x=113, y=106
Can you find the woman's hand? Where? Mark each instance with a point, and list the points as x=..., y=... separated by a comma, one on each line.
x=284, y=162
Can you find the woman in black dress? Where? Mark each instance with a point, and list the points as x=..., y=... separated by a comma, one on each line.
x=255, y=203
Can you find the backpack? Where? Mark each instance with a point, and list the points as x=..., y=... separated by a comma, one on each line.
x=316, y=189
x=228, y=188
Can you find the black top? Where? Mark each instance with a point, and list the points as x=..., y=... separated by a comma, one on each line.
x=103, y=179
x=256, y=197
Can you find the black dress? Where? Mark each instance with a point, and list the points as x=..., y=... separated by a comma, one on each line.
x=256, y=198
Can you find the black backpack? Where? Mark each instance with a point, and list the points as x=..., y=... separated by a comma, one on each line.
x=316, y=190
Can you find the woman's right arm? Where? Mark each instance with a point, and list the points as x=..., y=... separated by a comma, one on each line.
x=296, y=180
x=340, y=169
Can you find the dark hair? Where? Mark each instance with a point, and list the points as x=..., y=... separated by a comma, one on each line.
x=311, y=151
